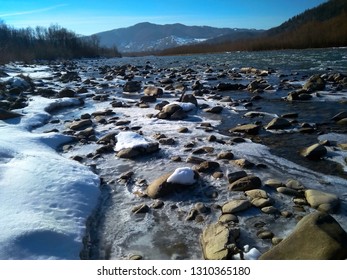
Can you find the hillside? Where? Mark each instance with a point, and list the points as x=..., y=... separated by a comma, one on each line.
x=320, y=27
x=153, y=37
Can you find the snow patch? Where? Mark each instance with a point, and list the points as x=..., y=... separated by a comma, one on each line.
x=128, y=139
x=182, y=176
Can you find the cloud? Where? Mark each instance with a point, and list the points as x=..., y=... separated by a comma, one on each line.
x=32, y=11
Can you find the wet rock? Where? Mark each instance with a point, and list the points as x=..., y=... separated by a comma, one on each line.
x=157, y=204
x=318, y=236
x=269, y=210
x=288, y=191
x=216, y=241
x=314, y=152
x=278, y=123
x=183, y=130
x=147, y=99
x=265, y=234
x=245, y=184
x=138, y=150
x=109, y=138
x=229, y=86
x=322, y=201
x=290, y=115
x=70, y=77
x=342, y=122
x=314, y=83
x=294, y=184
x=236, y=205
x=251, y=129
x=189, y=98
x=258, y=198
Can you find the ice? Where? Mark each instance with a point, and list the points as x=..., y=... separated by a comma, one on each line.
x=183, y=176
x=45, y=198
x=185, y=106
x=130, y=139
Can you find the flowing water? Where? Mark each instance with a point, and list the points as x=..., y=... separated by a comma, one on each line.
x=114, y=232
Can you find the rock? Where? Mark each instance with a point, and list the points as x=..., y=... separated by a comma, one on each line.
x=132, y=86
x=236, y=205
x=164, y=186
x=258, y=198
x=153, y=91
x=343, y=146
x=132, y=152
x=288, y=191
x=265, y=234
x=251, y=129
x=67, y=92
x=5, y=115
x=189, y=98
x=216, y=240
x=317, y=236
x=322, y=201
x=225, y=155
x=273, y=183
x=340, y=116
x=342, y=121
x=214, y=110
x=207, y=167
x=234, y=176
x=229, y=86
x=278, y=123
x=142, y=208
x=294, y=184
x=81, y=124
x=243, y=163
x=314, y=83
x=269, y=210
x=314, y=152
x=228, y=218
x=246, y=183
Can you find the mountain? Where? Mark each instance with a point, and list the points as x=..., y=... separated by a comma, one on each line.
x=152, y=37
x=320, y=27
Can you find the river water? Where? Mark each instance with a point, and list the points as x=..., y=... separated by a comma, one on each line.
x=114, y=232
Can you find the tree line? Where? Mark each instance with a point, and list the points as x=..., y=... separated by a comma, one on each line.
x=54, y=42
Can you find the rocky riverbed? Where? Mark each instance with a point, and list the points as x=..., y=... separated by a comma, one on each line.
x=201, y=157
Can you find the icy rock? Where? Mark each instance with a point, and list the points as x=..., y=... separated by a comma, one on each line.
x=314, y=152
x=5, y=115
x=278, y=123
x=251, y=129
x=236, y=205
x=169, y=183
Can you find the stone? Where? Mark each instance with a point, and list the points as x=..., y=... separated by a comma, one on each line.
x=342, y=122
x=67, y=92
x=288, y=191
x=265, y=234
x=258, y=198
x=228, y=218
x=269, y=210
x=133, y=152
x=161, y=188
x=142, y=208
x=251, y=129
x=340, y=116
x=322, y=201
x=207, y=167
x=132, y=86
x=225, y=155
x=314, y=152
x=236, y=205
x=153, y=91
x=273, y=183
x=234, y=176
x=317, y=236
x=5, y=115
x=81, y=124
x=214, y=110
x=243, y=163
x=314, y=83
x=215, y=241
x=246, y=183
x=189, y=98
x=278, y=123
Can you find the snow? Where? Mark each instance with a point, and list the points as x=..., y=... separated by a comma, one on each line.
x=186, y=106
x=183, y=176
x=129, y=139
x=45, y=198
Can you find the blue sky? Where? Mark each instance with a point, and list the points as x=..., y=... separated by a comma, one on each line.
x=91, y=16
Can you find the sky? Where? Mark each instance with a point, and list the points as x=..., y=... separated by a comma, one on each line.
x=86, y=17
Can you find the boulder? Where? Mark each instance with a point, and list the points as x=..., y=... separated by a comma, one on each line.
x=314, y=152
x=340, y=116
x=217, y=241
x=153, y=91
x=236, y=205
x=251, y=129
x=278, y=123
x=245, y=184
x=177, y=181
x=314, y=83
x=135, y=151
x=322, y=201
x=189, y=98
x=318, y=236
x=80, y=125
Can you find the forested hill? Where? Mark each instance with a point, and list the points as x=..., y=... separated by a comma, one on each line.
x=320, y=27
x=324, y=12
